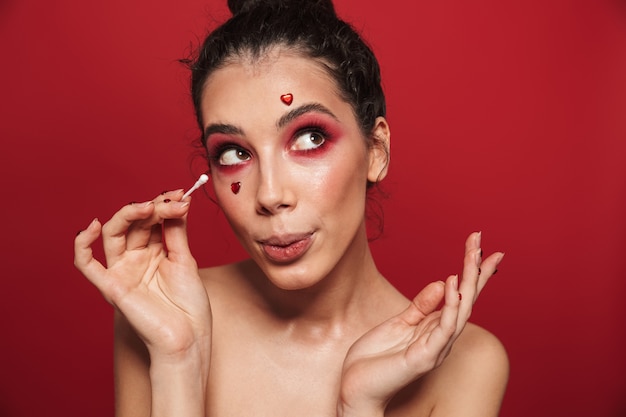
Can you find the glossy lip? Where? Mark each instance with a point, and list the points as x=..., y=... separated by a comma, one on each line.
x=286, y=248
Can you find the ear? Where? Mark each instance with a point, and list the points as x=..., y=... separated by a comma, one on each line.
x=379, y=151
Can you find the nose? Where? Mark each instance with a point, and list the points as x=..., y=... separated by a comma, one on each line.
x=274, y=193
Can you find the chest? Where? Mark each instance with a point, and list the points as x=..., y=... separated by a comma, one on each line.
x=265, y=379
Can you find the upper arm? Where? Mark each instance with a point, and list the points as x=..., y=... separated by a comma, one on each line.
x=472, y=381
x=131, y=366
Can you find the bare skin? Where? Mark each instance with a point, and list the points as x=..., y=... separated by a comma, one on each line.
x=294, y=366
x=311, y=332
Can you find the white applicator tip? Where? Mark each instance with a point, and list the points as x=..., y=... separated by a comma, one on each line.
x=201, y=181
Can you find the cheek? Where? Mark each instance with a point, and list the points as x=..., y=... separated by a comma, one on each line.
x=229, y=202
x=230, y=182
x=339, y=181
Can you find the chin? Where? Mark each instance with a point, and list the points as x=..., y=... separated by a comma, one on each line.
x=293, y=277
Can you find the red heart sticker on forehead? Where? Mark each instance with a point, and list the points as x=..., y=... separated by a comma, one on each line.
x=287, y=98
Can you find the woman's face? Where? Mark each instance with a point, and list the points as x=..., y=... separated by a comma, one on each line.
x=299, y=168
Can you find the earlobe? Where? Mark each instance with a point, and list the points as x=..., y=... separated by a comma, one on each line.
x=379, y=151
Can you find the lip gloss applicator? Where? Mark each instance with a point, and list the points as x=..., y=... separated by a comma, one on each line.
x=201, y=181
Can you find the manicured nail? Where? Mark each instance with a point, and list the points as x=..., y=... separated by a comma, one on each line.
x=478, y=238
x=177, y=204
x=90, y=224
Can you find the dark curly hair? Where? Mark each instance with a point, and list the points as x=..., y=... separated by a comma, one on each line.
x=310, y=27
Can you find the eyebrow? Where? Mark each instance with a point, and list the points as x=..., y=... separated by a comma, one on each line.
x=228, y=129
x=299, y=111
x=221, y=128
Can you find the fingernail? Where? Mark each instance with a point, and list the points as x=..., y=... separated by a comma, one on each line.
x=177, y=204
x=478, y=238
x=500, y=259
x=89, y=226
x=455, y=281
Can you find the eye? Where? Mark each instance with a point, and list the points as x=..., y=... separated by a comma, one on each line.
x=233, y=156
x=308, y=140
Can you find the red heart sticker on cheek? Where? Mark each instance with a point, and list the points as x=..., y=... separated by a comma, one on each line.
x=287, y=99
x=235, y=187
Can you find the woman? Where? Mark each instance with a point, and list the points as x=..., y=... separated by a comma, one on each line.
x=292, y=114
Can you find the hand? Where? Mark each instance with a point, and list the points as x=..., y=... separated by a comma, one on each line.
x=407, y=346
x=157, y=288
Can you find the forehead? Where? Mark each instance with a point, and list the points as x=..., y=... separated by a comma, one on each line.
x=248, y=82
x=279, y=54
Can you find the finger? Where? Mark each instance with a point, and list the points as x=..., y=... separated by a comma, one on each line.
x=447, y=331
x=424, y=303
x=171, y=207
x=175, y=231
x=115, y=230
x=441, y=332
x=489, y=267
x=156, y=235
x=174, y=215
x=148, y=231
x=471, y=268
x=83, y=254
x=468, y=287
x=450, y=310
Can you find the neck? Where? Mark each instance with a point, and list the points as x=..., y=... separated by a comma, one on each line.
x=348, y=300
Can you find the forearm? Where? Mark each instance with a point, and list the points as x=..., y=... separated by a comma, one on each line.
x=179, y=385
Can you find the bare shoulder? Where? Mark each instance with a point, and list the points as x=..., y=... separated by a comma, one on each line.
x=470, y=382
x=478, y=348
x=232, y=284
x=218, y=277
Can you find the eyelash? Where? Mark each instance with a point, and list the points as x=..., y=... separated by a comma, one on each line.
x=313, y=129
x=218, y=151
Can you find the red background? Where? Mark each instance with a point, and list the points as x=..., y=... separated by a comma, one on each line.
x=507, y=117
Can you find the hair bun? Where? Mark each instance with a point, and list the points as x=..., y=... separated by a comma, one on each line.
x=242, y=6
